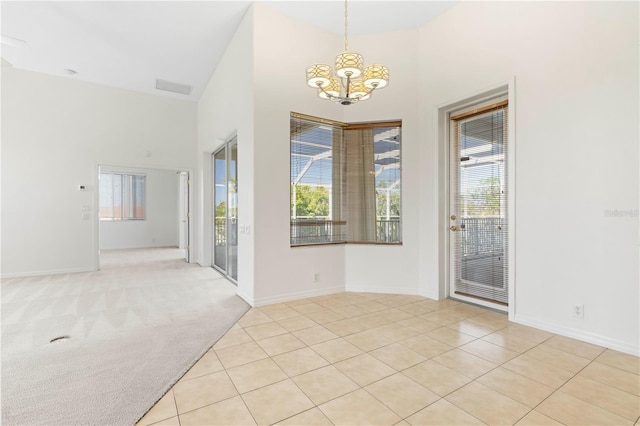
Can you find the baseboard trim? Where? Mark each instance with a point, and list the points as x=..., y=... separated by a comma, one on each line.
x=361, y=288
x=246, y=298
x=42, y=273
x=584, y=336
x=429, y=295
x=288, y=297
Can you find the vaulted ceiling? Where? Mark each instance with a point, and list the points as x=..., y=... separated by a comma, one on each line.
x=130, y=44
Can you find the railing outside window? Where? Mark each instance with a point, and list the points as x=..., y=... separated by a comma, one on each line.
x=220, y=224
x=388, y=230
x=481, y=235
x=314, y=231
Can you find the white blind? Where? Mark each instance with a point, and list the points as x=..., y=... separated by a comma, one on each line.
x=316, y=200
x=122, y=196
x=480, y=203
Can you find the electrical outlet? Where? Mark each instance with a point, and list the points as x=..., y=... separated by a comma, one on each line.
x=316, y=277
x=578, y=311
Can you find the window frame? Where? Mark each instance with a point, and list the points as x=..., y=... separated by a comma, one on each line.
x=344, y=128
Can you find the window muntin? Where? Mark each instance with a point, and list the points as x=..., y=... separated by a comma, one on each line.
x=345, y=182
x=122, y=196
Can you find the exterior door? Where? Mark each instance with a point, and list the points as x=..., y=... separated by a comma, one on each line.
x=478, y=204
x=225, y=209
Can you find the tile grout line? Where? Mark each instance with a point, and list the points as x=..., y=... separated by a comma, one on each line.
x=332, y=364
x=396, y=371
x=466, y=384
x=557, y=389
x=403, y=418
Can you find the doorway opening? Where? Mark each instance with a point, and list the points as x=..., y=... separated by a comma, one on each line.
x=143, y=208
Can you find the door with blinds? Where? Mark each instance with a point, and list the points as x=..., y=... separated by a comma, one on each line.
x=478, y=203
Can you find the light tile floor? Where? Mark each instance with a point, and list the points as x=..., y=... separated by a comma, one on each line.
x=380, y=359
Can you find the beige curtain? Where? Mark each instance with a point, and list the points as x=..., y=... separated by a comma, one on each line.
x=338, y=199
x=360, y=186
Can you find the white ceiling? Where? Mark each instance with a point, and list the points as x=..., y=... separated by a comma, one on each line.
x=128, y=44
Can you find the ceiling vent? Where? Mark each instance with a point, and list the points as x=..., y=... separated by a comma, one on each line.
x=169, y=86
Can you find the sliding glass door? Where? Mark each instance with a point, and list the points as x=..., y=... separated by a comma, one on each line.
x=225, y=209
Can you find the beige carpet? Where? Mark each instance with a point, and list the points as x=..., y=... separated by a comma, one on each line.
x=135, y=328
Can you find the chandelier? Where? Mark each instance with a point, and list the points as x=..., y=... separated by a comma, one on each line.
x=352, y=82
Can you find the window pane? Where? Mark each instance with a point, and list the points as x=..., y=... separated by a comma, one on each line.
x=126, y=196
x=121, y=196
x=117, y=196
x=345, y=183
x=138, y=197
x=313, y=210
x=106, y=196
x=386, y=142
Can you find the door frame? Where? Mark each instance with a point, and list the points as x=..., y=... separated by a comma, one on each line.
x=96, y=203
x=184, y=213
x=443, y=137
x=224, y=147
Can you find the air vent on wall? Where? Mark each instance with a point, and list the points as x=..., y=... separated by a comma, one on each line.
x=169, y=86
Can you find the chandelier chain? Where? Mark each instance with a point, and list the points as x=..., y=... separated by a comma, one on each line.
x=346, y=17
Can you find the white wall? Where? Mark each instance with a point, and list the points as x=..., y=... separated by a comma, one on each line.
x=225, y=109
x=576, y=89
x=160, y=226
x=380, y=268
x=281, y=54
x=569, y=61
x=55, y=132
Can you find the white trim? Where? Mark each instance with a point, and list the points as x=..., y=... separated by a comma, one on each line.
x=480, y=302
x=428, y=295
x=95, y=234
x=596, y=339
x=43, y=273
x=246, y=298
x=442, y=112
x=511, y=196
x=294, y=296
x=364, y=288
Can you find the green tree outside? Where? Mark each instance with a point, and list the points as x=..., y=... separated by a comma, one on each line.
x=485, y=199
x=381, y=204
x=311, y=201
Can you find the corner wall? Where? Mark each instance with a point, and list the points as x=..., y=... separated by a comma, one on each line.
x=225, y=109
x=391, y=268
x=281, y=54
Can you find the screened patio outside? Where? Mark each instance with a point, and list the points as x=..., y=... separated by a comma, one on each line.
x=338, y=182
